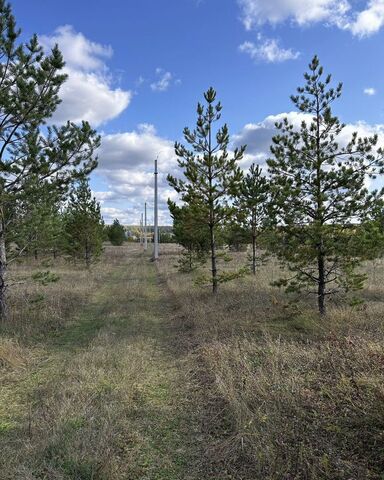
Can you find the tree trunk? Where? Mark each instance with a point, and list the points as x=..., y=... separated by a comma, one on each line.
x=3, y=272
x=319, y=218
x=213, y=259
x=254, y=254
x=321, y=284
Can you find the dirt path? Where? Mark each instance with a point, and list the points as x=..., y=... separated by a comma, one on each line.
x=112, y=396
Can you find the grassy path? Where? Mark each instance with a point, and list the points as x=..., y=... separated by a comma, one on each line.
x=110, y=396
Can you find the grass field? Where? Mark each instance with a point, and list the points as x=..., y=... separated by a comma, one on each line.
x=129, y=371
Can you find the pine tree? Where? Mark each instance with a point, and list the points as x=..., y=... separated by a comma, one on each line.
x=116, y=233
x=191, y=235
x=84, y=226
x=252, y=203
x=320, y=192
x=211, y=174
x=29, y=95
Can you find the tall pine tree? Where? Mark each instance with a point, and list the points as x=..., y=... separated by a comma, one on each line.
x=320, y=192
x=211, y=174
x=84, y=226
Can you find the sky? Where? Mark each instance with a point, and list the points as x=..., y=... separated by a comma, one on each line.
x=137, y=68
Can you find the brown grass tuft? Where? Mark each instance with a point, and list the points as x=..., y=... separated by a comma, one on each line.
x=12, y=355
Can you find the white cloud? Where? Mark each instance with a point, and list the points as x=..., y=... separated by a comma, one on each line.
x=302, y=12
x=140, y=81
x=103, y=197
x=78, y=51
x=164, y=81
x=258, y=136
x=126, y=216
x=341, y=13
x=269, y=51
x=370, y=91
x=368, y=21
x=88, y=94
x=138, y=148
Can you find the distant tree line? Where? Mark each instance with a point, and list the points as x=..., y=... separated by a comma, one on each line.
x=310, y=206
x=52, y=226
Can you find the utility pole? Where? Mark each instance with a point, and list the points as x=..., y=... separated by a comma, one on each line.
x=145, y=228
x=156, y=221
x=141, y=230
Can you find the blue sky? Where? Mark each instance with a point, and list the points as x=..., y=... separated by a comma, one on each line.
x=137, y=68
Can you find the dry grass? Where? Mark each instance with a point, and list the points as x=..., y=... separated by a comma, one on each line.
x=303, y=397
x=97, y=391
x=125, y=372
x=36, y=309
x=12, y=355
